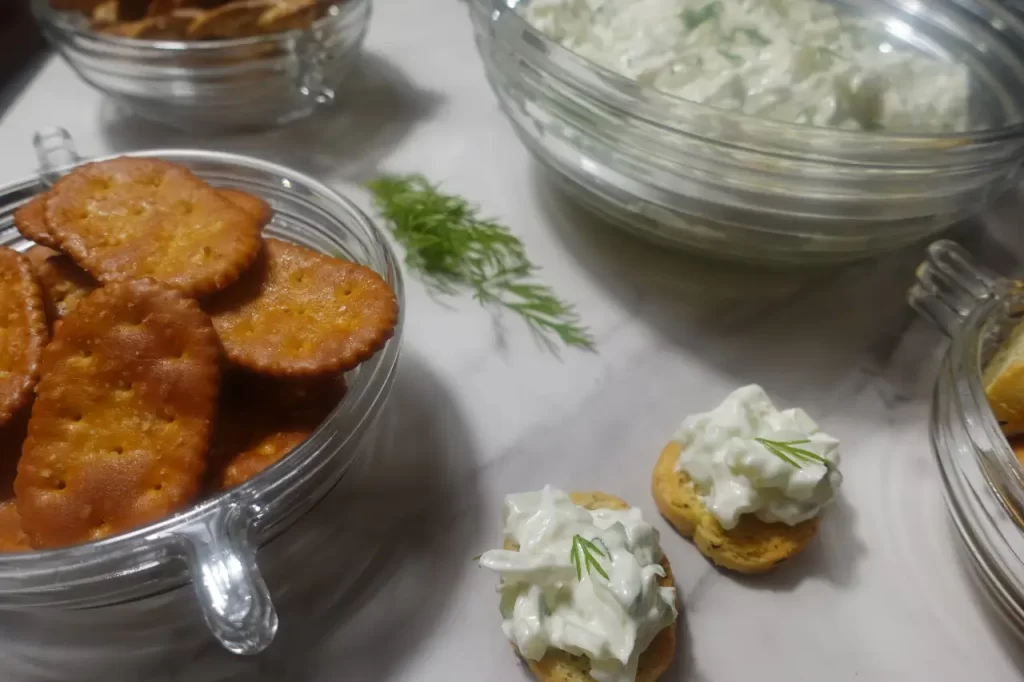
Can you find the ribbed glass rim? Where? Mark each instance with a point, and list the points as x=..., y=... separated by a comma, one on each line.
x=140, y=550
x=64, y=24
x=653, y=105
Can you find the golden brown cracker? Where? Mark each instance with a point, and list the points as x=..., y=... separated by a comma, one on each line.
x=30, y=219
x=12, y=537
x=753, y=546
x=297, y=312
x=560, y=666
x=262, y=419
x=106, y=13
x=123, y=415
x=134, y=218
x=169, y=27
x=250, y=203
x=23, y=332
x=288, y=15
x=62, y=282
x=236, y=19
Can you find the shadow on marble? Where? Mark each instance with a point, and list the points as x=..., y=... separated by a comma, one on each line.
x=803, y=328
x=376, y=108
x=832, y=556
x=324, y=572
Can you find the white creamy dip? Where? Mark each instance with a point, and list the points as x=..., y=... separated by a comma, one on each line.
x=554, y=597
x=789, y=60
x=746, y=457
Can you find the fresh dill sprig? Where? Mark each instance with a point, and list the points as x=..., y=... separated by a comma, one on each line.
x=789, y=454
x=454, y=249
x=582, y=556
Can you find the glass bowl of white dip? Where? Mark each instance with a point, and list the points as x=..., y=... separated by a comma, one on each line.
x=913, y=120
x=983, y=479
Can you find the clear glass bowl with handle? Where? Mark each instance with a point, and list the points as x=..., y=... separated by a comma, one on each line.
x=216, y=85
x=694, y=176
x=214, y=544
x=982, y=477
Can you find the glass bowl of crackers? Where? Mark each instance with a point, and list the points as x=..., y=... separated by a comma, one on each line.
x=192, y=346
x=977, y=417
x=210, y=65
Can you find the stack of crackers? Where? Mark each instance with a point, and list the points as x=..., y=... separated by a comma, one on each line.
x=156, y=348
x=196, y=19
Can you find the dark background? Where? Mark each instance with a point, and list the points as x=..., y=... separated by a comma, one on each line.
x=21, y=49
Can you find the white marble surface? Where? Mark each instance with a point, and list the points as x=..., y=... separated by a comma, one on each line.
x=479, y=411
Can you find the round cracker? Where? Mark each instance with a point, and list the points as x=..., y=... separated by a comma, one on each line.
x=12, y=537
x=560, y=666
x=30, y=219
x=62, y=282
x=250, y=203
x=121, y=424
x=262, y=419
x=297, y=312
x=23, y=332
x=753, y=546
x=237, y=19
x=134, y=218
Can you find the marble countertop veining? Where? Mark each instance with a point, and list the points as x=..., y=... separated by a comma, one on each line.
x=479, y=411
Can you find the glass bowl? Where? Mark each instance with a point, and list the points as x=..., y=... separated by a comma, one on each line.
x=214, y=544
x=697, y=177
x=982, y=478
x=215, y=85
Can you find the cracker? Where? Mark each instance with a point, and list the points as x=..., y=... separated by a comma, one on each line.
x=263, y=419
x=288, y=15
x=753, y=546
x=120, y=429
x=133, y=218
x=23, y=332
x=106, y=13
x=250, y=203
x=63, y=283
x=12, y=537
x=169, y=27
x=561, y=666
x=297, y=312
x=236, y=19
x=30, y=219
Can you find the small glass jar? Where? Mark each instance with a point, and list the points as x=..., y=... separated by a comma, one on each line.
x=216, y=85
x=214, y=544
x=982, y=477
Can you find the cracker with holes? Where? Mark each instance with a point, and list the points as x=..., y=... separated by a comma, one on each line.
x=297, y=312
x=30, y=219
x=23, y=332
x=63, y=283
x=12, y=537
x=135, y=218
x=262, y=419
x=120, y=428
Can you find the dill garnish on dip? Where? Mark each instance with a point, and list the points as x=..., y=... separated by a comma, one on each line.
x=455, y=250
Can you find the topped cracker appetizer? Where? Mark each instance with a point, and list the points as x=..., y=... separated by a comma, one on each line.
x=586, y=593
x=747, y=482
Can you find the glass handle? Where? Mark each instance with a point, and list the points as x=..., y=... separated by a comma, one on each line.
x=311, y=71
x=55, y=149
x=234, y=598
x=950, y=285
